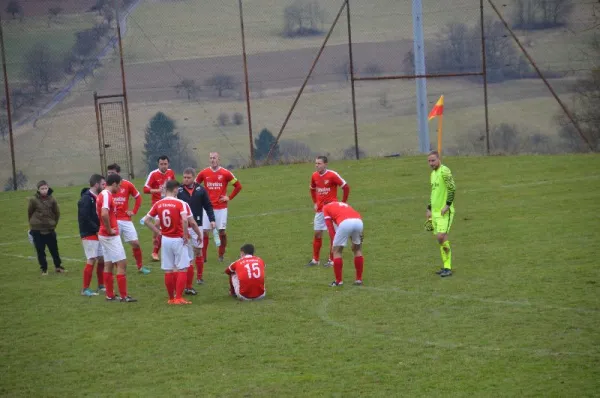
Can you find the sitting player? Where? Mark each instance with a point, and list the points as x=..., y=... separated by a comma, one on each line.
x=247, y=275
x=349, y=225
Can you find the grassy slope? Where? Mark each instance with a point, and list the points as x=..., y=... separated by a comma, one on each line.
x=520, y=317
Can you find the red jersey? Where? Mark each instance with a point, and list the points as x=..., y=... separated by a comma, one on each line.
x=157, y=180
x=339, y=211
x=171, y=212
x=250, y=271
x=121, y=199
x=105, y=201
x=325, y=186
x=215, y=182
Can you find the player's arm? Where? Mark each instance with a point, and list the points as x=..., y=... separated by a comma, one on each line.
x=30, y=209
x=56, y=209
x=194, y=226
x=199, y=178
x=85, y=212
x=148, y=185
x=138, y=200
x=330, y=228
x=105, y=216
x=344, y=185
x=450, y=185
x=149, y=221
x=186, y=224
x=231, y=269
x=207, y=206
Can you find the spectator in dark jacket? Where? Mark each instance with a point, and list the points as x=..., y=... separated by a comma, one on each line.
x=196, y=196
x=89, y=224
x=43, y=214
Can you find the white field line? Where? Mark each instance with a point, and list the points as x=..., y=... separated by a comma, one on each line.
x=33, y=258
x=323, y=313
x=25, y=240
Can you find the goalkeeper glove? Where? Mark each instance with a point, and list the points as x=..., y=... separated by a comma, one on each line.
x=428, y=225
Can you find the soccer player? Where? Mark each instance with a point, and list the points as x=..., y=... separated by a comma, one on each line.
x=112, y=248
x=196, y=196
x=216, y=179
x=126, y=227
x=174, y=216
x=247, y=276
x=323, y=189
x=349, y=225
x=43, y=214
x=89, y=224
x=440, y=211
x=155, y=184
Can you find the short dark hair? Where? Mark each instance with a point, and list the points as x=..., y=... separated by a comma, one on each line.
x=114, y=167
x=436, y=153
x=189, y=170
x=163, y=157
x=247, y=249
x=172, y=185
x=41, y=183
x=323, y=158
x=113, y=179
x=95, y=179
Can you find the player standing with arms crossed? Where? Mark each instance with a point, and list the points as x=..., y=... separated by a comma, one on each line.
x=349, y=225
x=197, y=198
x=112, y=247
x=323, y=190
x=126, y=227
x=155, y=184
x=89, y=224
x=216, y=179
x=440, y=211
x=174, y=216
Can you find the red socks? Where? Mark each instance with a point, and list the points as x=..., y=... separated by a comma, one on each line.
x=223, y=245
x=205, y=244
x=317, y=242
x=157, y=243
x=170, y=284
x=337, y=269
x=190, y=277
x=137, y=254
x=122, y=282
x=358, y=266
x=108, y=283
x=100, y=273
x=88, y=272
x=200, y=266
x=180, y=284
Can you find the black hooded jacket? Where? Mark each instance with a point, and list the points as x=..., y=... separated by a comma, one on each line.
x=198, y=201
x=89, y=224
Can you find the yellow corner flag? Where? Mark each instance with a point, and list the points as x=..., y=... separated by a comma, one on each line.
x=438, y=111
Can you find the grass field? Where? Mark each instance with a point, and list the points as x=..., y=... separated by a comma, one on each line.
x=520, y=316
x=19, y=37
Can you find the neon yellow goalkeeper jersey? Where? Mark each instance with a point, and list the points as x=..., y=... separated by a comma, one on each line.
x=442, y=188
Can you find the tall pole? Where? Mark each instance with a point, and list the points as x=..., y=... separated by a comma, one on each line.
x=485, y=87
x=419, y=51
x=351, y=70
x=125, y=102
x=248, y=111
x=9, y=115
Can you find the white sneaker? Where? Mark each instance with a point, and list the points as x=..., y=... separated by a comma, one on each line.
x=312, y=262
x=328, y=264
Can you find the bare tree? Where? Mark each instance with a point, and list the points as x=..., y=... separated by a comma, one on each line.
x=40, y=68
x=238, y=119
x=295, y=151
x=14, y=8
x=223, y=119
x=189, y=87
x=221, y=82
x=555, y=12
x=303, y=18
x=53, y=13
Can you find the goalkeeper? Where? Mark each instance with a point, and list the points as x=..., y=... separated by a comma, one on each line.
x=440, y=211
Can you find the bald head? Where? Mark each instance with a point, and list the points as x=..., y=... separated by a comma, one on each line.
x=215, y=160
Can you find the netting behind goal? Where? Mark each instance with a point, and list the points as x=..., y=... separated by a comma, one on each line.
x=113, y=136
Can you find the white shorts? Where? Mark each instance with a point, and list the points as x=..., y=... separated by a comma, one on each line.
x=319, y=222
x=173, y=254
x=349, y=228
x=92, y=248
x=193, y=243
x=220, y=219
x=236, y=288
x=112, y=248
x=127, y=230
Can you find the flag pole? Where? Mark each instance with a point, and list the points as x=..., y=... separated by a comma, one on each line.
x=439, y=135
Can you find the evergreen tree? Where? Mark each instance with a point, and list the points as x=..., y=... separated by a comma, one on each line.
x=161, y=140
x=262, y=146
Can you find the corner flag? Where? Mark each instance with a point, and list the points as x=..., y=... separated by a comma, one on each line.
x=438, y=109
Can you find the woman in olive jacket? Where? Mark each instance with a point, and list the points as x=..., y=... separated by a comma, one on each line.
x=43, y=215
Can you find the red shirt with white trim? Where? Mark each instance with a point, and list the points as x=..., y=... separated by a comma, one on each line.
x=215, y=182
x=171, y=212
x=250, y=271
x=105, y=201
x=121, y=199
x=339, y=211
x=325, y=186
x=157, y=180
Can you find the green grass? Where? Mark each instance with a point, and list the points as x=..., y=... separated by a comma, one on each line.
x=19, y=37
x=520, y=317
